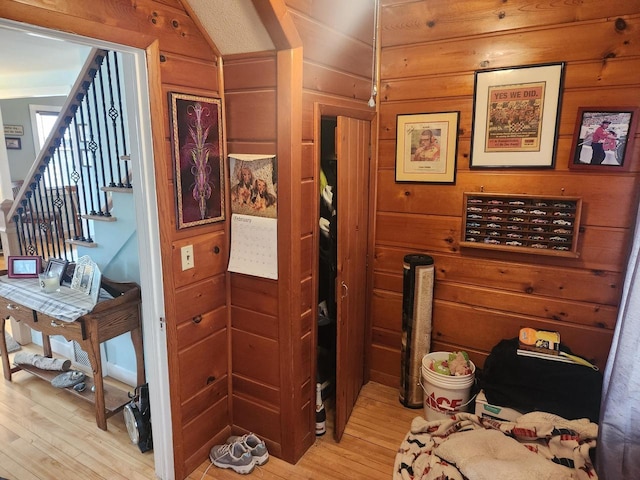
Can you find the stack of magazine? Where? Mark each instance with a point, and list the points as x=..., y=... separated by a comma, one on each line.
x=546, y=345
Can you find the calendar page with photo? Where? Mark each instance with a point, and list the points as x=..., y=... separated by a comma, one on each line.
x=254, y=207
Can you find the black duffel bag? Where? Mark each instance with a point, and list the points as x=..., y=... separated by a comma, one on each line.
x=534, y=384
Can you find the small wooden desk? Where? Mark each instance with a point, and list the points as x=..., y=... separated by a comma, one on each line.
x=109, y=319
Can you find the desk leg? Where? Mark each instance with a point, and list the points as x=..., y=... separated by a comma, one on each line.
x=6, y=367
x=92, y=347
x=136, y=339
x=46, y=346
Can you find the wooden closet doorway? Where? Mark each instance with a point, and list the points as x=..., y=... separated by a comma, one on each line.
x=352, y=149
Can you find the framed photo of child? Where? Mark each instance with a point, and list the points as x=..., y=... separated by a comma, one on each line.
x=426, y=147
x=603, y=138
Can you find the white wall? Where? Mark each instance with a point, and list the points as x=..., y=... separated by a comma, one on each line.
x=16, y=112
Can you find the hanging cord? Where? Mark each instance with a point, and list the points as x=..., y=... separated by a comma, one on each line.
x=205, y=472
x=374, y=77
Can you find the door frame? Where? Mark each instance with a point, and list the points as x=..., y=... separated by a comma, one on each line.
x=137, y=80
x=326, y=109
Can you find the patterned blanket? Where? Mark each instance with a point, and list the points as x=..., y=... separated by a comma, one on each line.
x=537, y=446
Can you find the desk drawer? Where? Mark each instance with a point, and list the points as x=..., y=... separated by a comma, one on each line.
x=45, y=324
x=15, y=310
x=51, y=326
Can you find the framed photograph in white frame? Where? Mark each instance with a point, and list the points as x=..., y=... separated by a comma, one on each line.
x=87, y=277
x=515, y=116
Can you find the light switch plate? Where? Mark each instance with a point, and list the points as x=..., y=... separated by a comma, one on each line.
x=186, y=253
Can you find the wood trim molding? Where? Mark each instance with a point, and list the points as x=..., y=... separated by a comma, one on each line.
x=164, y=201
x=289, y=136
x=279, y=24
x=364, y=113
x=48, y=16
x=320, y=109
x=227, y=233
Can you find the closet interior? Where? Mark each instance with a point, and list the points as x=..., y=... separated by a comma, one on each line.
x=327, y=261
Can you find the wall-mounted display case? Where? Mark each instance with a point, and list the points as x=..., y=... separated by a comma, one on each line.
x=522, y=223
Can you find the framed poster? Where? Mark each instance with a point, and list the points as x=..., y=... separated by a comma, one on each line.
x=426, y=147
x=515, y=116
x=196, y=138
x=603, y=138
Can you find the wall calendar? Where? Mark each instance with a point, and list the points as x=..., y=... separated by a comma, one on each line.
x=254, y=246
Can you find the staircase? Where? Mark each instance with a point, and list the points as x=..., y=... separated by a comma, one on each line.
x=77, y=197
x=83, y=164
x=117, y=257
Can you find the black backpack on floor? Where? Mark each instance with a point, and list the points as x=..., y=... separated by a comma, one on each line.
x=533, y=384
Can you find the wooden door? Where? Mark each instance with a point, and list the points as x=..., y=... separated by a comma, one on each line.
x=352, y=148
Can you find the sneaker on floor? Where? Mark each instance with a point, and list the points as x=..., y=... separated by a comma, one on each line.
x=253, y=445
x=233, y=456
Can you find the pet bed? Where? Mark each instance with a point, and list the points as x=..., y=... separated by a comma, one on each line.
x=536, y=446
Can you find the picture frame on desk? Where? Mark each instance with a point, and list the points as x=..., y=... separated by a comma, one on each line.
x=87, y=277
x=24, y=266
x=56, y=266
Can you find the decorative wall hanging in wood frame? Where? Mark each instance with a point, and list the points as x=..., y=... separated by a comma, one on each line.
x=515, y=116
x=196, y=139
x=426, y=147
x=603, y=138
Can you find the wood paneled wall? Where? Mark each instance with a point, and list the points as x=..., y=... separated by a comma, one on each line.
x=272, y=357
x=250, y=95
x=180, y=59
x=430, y=51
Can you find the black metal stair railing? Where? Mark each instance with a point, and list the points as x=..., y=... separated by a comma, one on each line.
x=83, y=157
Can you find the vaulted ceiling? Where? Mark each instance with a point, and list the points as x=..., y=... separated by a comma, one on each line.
x=233, y=26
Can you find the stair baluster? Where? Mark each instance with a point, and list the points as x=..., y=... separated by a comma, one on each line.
x=69, y=181
x=100, y=145
x=60, y=203
x=125, y=153
x=111, y=146
x=69, y=207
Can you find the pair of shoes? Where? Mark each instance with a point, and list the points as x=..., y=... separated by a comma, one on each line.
x=240, y=453
x=233, y=456
x=253, y=445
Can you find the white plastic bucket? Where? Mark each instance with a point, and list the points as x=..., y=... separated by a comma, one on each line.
x=444, y=395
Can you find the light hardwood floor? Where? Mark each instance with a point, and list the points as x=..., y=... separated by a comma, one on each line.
x=367, y=450
x=49, y=434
